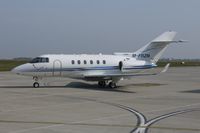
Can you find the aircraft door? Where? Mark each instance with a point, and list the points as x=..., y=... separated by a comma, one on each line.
x=121, y=66
x=57, y=68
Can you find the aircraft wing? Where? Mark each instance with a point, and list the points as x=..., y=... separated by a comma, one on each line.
x=125, y=75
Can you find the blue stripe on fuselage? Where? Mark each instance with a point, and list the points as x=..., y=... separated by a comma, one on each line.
x=91, y=68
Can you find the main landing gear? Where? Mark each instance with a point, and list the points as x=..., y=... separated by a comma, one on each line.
x=111, y=84
x=102, y=83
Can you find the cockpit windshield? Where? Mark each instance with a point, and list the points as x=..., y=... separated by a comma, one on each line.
x=40, y=60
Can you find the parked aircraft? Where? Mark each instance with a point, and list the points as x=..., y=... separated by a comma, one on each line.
x=105, y=69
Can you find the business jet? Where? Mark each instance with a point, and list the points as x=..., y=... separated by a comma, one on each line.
x=107, y=70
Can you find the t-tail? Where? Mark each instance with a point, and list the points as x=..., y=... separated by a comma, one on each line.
x=154, y=50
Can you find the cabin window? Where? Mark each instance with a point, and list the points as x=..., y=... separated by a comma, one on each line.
x=73, y=62
x=40, y=60
x=85, y=62
x=91, y=61
x=104, y=62
x=43, y=59
x=79, y=62
x=98, y=62
x=47, y=60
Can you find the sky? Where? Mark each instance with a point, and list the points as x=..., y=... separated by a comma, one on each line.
x=30, y=28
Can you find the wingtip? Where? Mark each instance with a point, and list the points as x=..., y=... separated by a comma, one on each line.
x=166, y=68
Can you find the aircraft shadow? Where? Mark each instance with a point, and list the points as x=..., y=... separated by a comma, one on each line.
x=192, y=91
x=81, y=85
x=144, y=84
x=75, y=85
x=87, y=86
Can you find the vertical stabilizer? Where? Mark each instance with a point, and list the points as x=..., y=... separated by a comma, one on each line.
x=154, y=50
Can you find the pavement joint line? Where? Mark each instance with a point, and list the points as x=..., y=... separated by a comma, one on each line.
x=104, y=117
x=116, y=116
x=64, y=103
x=46, y=95
x=177, y=107
x=36, y=128
x=92, y=124
x=34, y=122
x=35, y=108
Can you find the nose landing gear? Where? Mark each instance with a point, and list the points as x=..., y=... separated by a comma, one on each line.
x=36, y=84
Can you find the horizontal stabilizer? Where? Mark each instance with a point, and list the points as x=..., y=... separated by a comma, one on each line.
x=165, y=68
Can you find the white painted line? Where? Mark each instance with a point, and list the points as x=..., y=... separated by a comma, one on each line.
x=122, y=115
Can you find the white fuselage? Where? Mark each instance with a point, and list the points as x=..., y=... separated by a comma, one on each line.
x=76, y=66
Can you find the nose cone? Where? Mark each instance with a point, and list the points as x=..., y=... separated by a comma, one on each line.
x=22, y=69
x=16, y=70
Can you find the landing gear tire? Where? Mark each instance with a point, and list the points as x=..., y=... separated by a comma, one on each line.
x=112, y=85
x=102, y=83
x=36, y=85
